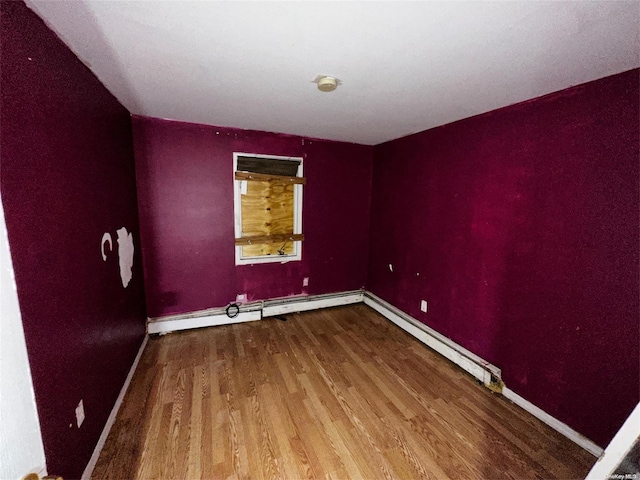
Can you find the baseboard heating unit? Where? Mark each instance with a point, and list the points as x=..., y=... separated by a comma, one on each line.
x=483, y=371
x=249, y=312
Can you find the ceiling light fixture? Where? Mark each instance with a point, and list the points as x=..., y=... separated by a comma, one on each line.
x=326, y=83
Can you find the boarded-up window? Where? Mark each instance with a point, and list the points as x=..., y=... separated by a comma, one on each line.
x=268, y=208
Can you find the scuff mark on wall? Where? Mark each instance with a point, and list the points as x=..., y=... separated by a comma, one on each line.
x=125, y=253
x=106, y=238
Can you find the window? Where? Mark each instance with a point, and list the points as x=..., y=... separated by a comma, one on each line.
x=268, y=208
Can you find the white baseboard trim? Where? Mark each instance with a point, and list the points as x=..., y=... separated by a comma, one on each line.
x=553, y=422
x=482, y=370
x=252, y=311
x=476, y=366
x=86, y=475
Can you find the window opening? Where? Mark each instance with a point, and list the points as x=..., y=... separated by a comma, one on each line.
x=268, y=208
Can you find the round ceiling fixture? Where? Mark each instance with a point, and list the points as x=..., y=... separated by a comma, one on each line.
x=326, y=83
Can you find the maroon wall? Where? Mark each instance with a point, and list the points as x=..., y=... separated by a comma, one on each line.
x=67, y=177
x=520, y=228
x=185, y=196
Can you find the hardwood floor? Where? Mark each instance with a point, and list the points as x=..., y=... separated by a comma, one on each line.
x=336, y=393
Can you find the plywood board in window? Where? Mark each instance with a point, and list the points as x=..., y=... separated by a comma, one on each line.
x=267, y=209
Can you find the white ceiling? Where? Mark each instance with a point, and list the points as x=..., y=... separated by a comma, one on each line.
x=404, y=66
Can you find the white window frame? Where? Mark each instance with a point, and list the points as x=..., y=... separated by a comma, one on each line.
x=237, y=214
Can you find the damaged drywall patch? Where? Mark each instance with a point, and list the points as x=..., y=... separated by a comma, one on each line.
x=125, y=253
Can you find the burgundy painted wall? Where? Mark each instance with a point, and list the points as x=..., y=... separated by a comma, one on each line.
x=67, y=177
x=185, y=196
x=520, y=228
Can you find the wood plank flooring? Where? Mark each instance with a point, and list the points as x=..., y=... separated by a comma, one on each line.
x=337, y=393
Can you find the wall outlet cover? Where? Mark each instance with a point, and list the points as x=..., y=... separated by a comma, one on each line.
x=305, y=282
x=423, y=305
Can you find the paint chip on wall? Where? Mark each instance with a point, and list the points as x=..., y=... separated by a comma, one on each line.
x=106, y=238
x=125, y=252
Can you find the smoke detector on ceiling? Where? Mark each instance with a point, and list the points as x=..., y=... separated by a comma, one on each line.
x=326, y=83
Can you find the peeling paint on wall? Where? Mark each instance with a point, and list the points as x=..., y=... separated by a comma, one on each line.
x=125, y=253
x=64, y=279
x=106, y=238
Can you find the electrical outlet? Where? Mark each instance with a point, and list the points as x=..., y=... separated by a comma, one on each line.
x=241, y=298
x=423, y=305
x=305, y=282
x=80, y=413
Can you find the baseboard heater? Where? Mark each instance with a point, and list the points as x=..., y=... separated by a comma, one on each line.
x=488, y=374
x=251, y=311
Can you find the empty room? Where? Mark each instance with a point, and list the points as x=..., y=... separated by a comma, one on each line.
x=319, y=239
